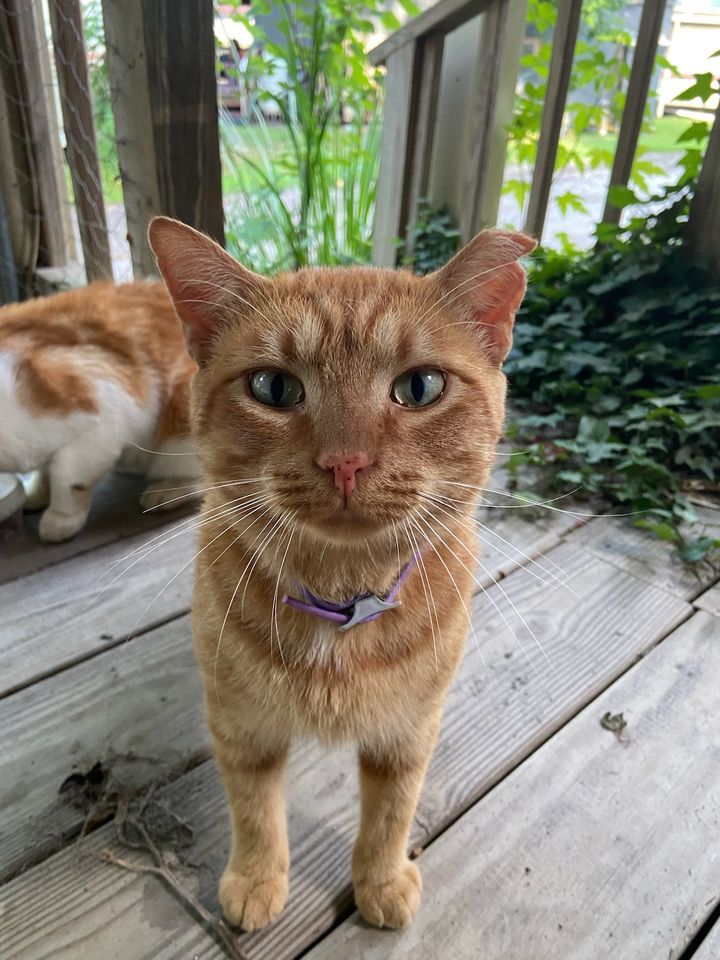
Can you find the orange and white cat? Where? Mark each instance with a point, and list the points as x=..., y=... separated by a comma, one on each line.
x=346, y=421
x=88, y=376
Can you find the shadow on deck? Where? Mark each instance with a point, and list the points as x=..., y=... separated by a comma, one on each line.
x=541, y=832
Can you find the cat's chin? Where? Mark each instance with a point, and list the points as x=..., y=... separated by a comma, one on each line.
x=345, y=526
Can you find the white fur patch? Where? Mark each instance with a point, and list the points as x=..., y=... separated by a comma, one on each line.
x=28, y=442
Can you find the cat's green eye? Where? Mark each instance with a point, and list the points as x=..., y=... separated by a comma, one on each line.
x=275, y=388
x=418, y=388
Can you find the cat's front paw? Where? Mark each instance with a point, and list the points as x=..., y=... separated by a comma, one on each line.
x=252, y=902
x=391, y=902
x=56, y=527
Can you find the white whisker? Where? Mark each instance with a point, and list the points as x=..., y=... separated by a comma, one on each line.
x=427, y=539
x=432, y=516
x=423, y=575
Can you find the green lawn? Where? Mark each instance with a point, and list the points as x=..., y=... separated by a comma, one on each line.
x=659, y=137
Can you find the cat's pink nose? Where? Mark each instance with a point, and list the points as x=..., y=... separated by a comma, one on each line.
x=345, y=468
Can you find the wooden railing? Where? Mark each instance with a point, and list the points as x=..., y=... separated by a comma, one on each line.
x=161, y=59
x=413, y=59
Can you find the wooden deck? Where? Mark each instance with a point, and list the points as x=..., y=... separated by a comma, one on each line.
x=541, y=833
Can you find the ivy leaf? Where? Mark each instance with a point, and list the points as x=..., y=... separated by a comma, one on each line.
x=390, y=21
x=570, y=201
x=620, y=196
x=664, y=531
x=698, y=130
x=708, y=391
x=703, y=88
x=410, y=8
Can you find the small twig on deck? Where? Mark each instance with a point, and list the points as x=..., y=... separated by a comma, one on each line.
x=214, y=927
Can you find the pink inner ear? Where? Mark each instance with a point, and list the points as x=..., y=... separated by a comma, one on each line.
x=495, y=315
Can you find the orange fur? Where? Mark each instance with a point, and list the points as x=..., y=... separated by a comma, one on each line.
x=124, y=333
x=86, y=376
x=271, y=672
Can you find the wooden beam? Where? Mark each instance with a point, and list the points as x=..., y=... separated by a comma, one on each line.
x=638, y=86
x=180, y=47
x=57, y=241
x=492, y=99
x=127, y=69
x=702, y=233
x=441, y=17
x=161, y=58
x=422, y=136
x=563, y=51
x=18, y=184
x=77, y=107
x=389, y=204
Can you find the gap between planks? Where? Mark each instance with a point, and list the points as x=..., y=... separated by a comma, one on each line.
x=497, y=714
x=592, y=844
x=61, y=615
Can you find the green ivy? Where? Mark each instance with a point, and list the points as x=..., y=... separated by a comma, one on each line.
x=615, y=374
x=434, y=238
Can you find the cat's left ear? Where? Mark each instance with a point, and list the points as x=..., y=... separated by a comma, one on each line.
x=208, y=287
x=484, y=284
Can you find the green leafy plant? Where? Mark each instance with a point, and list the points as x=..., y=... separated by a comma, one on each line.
x=434, y=238
x=615, y=374
x=595, y=102
x=310, y=199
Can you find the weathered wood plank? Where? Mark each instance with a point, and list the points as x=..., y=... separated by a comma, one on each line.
x=444, y=16
x=710, y=947
x=77, y=107
x=430, y=54
x=179, y=47
x=19, y=200
x=563, y=50
x=710, y=600
x=57, y=243
x=75, y=907
x=592, y=842
x=702, y=233
x=618, y=542
x=643, y=64
x=492, y=97
x=116, y=513
x=500, y=709
x=70, y=611
x=136, y=709
x=390, y=200
x=127, y=70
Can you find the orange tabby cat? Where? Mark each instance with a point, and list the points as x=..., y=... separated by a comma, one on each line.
x=331, y=410
x=86, y=375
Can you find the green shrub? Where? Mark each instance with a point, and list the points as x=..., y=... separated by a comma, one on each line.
x=615, y=375
x=434, y=238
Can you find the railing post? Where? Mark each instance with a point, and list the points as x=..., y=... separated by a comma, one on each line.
x=71, y=66
x=428, y=69
x=702, y=232
x=127, y=70
x=558, y=83
x=643, y=63
x=390, y=202
x=161, y=58
x=57, y=243
x=492, y=99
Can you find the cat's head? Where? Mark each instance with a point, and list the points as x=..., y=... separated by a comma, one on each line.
x=347, y=395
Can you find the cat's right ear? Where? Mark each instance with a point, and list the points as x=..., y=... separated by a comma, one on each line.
x=206, y=284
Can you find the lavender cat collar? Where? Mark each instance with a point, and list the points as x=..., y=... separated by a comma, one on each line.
x=361, y=609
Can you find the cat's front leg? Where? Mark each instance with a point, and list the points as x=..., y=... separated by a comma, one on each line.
x=254, y=887
x=387, y=884
x=73, y=472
